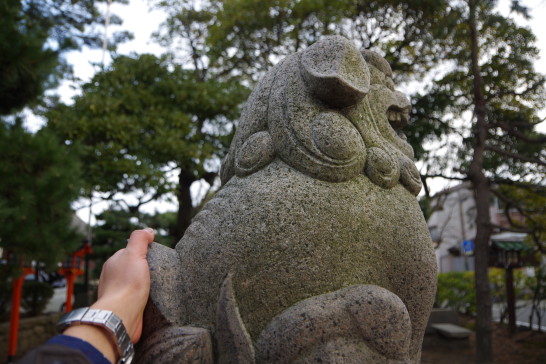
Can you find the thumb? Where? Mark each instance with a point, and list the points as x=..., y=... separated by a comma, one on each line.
x=140, y=240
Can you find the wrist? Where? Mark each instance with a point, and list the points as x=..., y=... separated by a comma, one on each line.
x=118, y=310
x=97, y=337
x=101, y=328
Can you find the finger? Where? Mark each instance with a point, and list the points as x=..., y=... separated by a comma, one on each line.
x=139, y=241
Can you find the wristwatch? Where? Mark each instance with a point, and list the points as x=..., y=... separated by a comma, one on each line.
x=107, y=320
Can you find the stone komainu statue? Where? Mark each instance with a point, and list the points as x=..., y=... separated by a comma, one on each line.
x=315, y=249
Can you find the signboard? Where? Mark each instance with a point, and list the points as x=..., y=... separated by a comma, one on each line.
x=468, y=247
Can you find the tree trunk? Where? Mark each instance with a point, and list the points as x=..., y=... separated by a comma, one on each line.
x=511, y=300
x=482, y=196
x=185, y=207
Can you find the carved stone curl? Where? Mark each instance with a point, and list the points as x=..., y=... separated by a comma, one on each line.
x=315, y=247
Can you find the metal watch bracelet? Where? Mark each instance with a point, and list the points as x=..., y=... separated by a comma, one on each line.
x=107, y=320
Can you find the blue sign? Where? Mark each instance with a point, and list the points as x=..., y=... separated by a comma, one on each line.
x=468, y=246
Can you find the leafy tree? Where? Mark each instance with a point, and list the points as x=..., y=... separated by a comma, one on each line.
x=530, y=203
x=456, y=290
x=522, y=286
x=143, y=118
x=40, y=179
x=33, y=36
x=249, y=36
x=491, y=79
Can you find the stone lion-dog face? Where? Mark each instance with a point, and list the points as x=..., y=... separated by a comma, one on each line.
x=343, y=118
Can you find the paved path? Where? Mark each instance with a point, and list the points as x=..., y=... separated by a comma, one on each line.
x=523, y=310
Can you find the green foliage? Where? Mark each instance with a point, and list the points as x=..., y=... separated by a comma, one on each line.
x=40, y=179
x=24, y=66
x=530, y=202
x=142, y=118
x=33, y=36
x=248, y=36
x=513, y=90
x=456, y=291
x=537, y=288
x=140, y=115
x=35, y=297
x=497, y=280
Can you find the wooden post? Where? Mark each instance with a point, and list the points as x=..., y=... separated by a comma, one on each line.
x=511, y=300
x=14, y=317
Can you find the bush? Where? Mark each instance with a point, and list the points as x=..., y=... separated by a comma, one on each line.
x=35, y=297
x=456, y=291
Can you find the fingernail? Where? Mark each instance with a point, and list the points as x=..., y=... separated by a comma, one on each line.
x=149, y=230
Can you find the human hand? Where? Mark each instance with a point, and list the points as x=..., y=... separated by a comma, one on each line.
x=124, y=284
x=124, y=288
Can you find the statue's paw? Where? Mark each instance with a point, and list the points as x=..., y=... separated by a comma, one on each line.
x=166, y=283
x=357, y=324
x=176, y=344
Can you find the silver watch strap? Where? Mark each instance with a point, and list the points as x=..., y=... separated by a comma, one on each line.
x=105, y=319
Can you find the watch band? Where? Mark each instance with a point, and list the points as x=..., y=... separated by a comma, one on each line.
x=105, y=319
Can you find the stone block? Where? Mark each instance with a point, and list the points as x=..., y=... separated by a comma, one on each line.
x=452, y=331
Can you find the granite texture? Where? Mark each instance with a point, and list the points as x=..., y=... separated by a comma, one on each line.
x=315, y=248
x=353, y=323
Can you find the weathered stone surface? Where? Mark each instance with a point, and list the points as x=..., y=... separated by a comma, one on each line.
x=173, y=344
x=234, y=343
x=353, y=323
x=317, y=213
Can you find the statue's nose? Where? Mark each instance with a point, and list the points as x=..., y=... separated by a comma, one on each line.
x=402, y=102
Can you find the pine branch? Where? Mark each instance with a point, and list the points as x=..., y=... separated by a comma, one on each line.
x=515, y=155
x=534, y=230
x=505, y=92
x=444, y=176
x=512, y=131
x=526, y=185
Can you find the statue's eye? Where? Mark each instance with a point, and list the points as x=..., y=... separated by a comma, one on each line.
x=389, y=83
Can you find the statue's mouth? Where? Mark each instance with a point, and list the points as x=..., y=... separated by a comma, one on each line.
x=398, y=117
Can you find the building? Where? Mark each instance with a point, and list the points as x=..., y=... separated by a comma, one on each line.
x=453, y=221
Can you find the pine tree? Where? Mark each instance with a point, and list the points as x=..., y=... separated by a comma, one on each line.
x=142, y=119
x=40, y=180
x=33, y=36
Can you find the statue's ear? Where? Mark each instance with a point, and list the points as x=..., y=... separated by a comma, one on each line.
x=335, y=72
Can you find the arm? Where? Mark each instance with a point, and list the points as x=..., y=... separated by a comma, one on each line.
x=123, y=289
